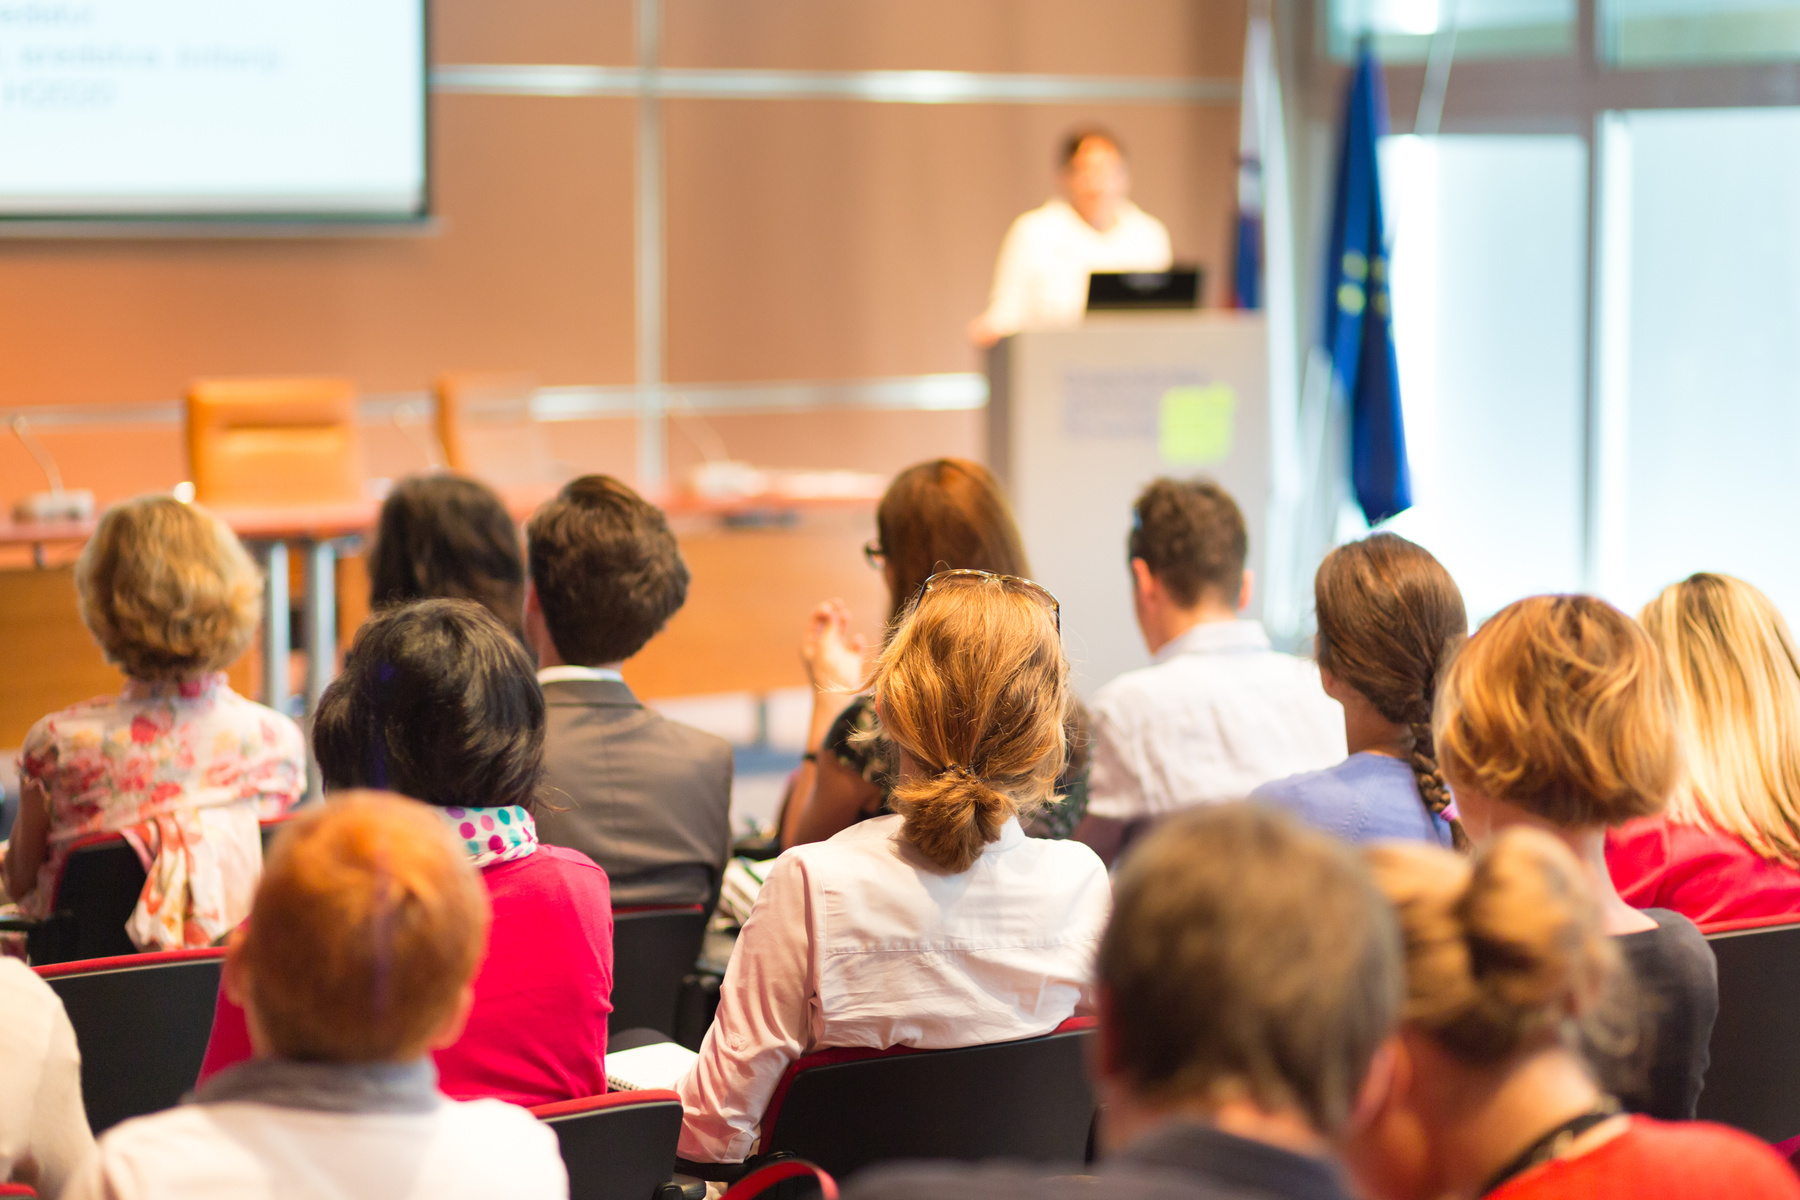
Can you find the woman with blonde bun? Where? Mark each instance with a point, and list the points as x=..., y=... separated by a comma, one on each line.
x=1728, y=847
x=1509, y=971
x=941, y=925
x=1557, y=715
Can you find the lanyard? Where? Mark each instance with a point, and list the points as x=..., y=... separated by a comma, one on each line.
x=1552, y=1144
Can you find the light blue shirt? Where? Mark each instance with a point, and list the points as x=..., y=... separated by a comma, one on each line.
x=1365, y=798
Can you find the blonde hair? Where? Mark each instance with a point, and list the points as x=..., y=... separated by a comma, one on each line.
x=1505, y=951
x=974, y=687
x=167, y=590
x=368, y=923
x=1560, y=706
x=1736, y=678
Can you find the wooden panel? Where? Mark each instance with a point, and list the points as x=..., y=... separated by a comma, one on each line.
x=526, y=31
x=747, y=605
x=53, y=660
x=531, y=269
x=1088, y=37
x=859, y=239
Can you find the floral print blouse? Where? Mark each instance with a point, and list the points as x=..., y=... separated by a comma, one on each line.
x=184, y=771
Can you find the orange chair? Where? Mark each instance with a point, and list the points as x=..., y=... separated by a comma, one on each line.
x=269, y=443
x=485, y=426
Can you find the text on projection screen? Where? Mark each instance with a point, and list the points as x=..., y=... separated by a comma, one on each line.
x=212, y=107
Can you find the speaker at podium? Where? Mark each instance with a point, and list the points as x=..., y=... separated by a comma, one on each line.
x=1081, y=418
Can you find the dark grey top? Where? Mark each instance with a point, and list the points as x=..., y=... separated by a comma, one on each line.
x=1181, y=1161
x=1677, y=1000
x=645, y=797
x=408, y=1087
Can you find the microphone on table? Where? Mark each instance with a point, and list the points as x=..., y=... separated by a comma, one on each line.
x=57, y=504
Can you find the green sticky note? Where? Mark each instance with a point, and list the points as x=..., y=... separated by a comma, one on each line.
x=1195, y=424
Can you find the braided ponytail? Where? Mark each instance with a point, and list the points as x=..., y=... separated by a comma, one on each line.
x=1430, y=779
x=1390, y=620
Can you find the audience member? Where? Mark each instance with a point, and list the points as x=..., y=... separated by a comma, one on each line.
x=447, y=537
x=437, y=701
x=1558, y=715
x=1390, y=618
x=948, y=513
x=357, y=963
x=1248, y=980
x=178, y=763
x=647, y=798
x=942, y=925
x=1218, y=712
x=1728, y=846
x=1509, y=968
x=43, y=1127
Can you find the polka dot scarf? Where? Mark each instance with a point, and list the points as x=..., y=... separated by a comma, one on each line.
x=492, y=835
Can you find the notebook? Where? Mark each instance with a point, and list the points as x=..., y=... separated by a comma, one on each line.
x=658, y=1065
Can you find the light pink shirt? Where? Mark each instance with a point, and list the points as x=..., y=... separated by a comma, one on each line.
x=861, y=941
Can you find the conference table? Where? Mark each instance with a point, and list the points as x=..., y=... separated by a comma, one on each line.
x=737, y=633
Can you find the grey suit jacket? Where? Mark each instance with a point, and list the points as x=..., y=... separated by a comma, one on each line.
x=647, y=798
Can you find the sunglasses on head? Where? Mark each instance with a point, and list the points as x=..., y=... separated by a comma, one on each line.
x=1036, y=591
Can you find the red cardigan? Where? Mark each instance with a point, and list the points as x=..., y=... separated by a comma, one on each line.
x=1652, y=1160
x=537, y=1032
x=1704, y=875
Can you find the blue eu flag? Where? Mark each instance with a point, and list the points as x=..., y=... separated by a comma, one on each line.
x=1359, y=332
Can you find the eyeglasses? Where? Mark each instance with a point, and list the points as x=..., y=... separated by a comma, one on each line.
x=874, y=553
x=1036, y=591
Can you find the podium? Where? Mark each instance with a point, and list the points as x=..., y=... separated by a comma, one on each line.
x=1080, y=419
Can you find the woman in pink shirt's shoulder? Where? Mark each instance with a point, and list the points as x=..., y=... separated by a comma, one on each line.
x=1728, y=846
x=438, y=701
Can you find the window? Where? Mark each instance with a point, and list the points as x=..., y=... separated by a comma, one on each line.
x=1644, y=32
x=1488, y=308
x=1402, y=29
x=1707, y=304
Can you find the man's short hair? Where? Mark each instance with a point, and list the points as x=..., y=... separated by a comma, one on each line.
x=606, y=568
x=1071, y=143
x=1191, y=535
x=1249, y=958
x=368, y=923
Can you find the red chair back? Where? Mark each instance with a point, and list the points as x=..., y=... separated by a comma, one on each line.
x=760, y=1181
x=653, y=951
x=141, y=1023
x=847, y=1108
x=620, y=1146
x=18, y=1189
x=1753, y=1081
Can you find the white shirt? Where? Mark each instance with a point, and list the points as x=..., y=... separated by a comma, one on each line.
x=244, y=1150
x=1217, y=714
x=1041, y=279
x=43, y=1129
x=860, y=941
x=567, y=674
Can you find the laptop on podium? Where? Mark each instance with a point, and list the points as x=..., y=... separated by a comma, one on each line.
x=1128, y=291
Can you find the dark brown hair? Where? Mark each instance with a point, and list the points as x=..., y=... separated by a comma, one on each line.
x=437, y=701
x=1561, y=705
x=946, y=514
x=606, y=568
x=447, y=537
x=1390, y=620
x=974, y=687
x=1191, y=535
x=1248, y=956
x=1072, y=140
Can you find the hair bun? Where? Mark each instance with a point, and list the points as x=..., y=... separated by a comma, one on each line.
x=952, y=816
